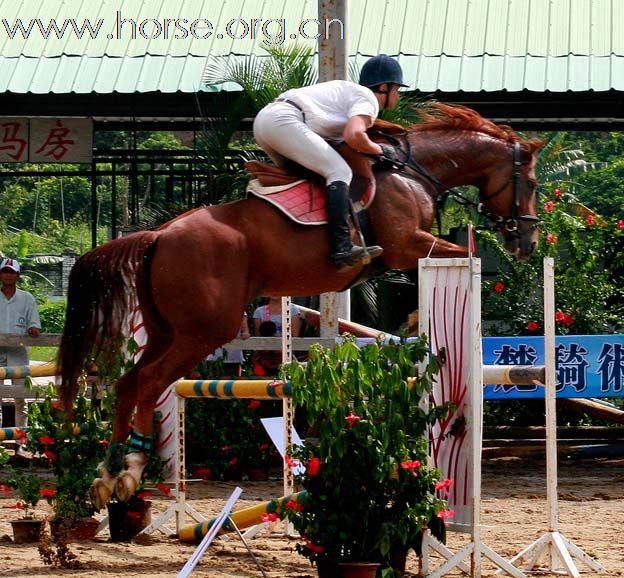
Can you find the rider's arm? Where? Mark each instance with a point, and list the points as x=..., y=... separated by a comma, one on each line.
x=355, y=135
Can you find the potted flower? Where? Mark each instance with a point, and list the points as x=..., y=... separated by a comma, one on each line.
x=27, y=485
x=369, y=491
x=74, y=451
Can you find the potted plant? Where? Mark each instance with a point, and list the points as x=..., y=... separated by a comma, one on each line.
x=369, y=491
x=27, y=486
x=74, y=451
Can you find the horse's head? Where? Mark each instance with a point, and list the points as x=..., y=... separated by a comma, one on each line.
x=508, y=198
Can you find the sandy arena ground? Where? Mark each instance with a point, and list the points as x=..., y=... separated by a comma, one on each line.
x=591, y=515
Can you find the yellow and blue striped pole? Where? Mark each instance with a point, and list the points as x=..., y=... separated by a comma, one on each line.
x=242, y=518
x=20, y=371
x=234, y=388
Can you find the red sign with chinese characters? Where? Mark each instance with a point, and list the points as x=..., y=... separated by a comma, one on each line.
x=46, y=140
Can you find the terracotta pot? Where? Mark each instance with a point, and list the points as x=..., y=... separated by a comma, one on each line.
x=26, y=531
x=127, y=519
x=358, y=569
x=82, y=529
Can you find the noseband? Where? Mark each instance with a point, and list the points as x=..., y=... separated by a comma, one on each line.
x=509, y=223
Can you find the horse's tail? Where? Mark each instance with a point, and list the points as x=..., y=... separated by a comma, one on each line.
x=101, y=286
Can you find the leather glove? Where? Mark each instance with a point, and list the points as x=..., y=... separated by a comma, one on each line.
x=389, y=154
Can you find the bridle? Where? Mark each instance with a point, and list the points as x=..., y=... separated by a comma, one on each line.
x=509, y=223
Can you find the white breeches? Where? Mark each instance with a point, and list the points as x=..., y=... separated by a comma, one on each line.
x=280, y=130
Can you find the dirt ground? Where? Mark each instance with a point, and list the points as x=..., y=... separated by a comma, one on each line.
x=591, y=516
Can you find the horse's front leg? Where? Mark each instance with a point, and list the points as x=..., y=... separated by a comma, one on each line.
x=421, y=244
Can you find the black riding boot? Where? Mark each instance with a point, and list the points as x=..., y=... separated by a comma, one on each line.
x=344, y=252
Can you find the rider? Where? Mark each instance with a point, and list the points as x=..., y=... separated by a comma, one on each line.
x=298, y=124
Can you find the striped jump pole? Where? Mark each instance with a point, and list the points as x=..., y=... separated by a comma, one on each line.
x=234, y=389
x=243, y=518
x=21, y=371
x=16, y=433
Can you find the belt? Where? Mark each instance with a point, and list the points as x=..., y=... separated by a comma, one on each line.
x=287, y=101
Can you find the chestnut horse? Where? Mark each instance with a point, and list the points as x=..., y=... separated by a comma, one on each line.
x=194, y=276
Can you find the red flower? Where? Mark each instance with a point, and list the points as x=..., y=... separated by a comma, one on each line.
x=445, y=514
x=46, y=440
x=313, y=547
x=443, y=485
x=50, y=455
x=164, y=488
x=620, y=224
x=290, y=462
x=560, y=316
x=590, y=219
x=557, y=193
x=532, y=325
x=104, y=443
x=269, y=518
x=314, y=465
x=292, y=505
x=263, y=447
x=551, y=239
x=568, y=320
x=233, y=461
x=226, y=448
x=411, y=466
x=47, y=492
x=253, y=404
x=549, y=206
x=19, y=433
x=352, y=419
x=499, y=287
x=18, y=506
x=4, y=489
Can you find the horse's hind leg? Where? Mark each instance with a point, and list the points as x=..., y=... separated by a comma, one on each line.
x=126, y=392
x=180, y=357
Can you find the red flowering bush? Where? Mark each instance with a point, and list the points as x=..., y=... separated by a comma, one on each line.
x=369, y=492
x=72, y=450
x=589, y=265
x=27, y=485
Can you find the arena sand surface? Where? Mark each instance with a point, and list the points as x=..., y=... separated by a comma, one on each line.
x=591, y=515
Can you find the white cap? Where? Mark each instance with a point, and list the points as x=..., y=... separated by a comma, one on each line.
x=10, y=264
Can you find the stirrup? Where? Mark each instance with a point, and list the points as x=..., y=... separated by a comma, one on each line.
x=356, y=255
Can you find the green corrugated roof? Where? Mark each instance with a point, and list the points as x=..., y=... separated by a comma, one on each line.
x=443, y=45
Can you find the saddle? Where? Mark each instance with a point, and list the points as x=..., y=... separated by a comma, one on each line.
x=300, y=194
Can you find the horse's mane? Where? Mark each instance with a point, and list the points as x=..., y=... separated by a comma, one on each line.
x=439, y=116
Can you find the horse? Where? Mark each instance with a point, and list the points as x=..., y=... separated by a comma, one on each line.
x=194, y=276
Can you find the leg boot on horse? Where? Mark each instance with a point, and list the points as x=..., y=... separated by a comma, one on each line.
x=344, y=252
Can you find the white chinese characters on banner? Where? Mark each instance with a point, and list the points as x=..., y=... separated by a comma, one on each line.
x=46, y=140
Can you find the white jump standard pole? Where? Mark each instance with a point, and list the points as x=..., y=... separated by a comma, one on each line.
x=558, y=549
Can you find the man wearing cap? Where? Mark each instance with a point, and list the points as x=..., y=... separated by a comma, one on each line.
x=298, y=124
x=18, y=315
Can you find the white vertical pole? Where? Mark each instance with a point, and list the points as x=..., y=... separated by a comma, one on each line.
x=287, y=405
x=476, y=387
x=550, y=393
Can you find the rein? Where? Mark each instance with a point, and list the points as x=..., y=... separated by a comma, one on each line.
x=510, y=223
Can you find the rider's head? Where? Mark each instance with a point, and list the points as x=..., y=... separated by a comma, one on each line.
x=383, y=75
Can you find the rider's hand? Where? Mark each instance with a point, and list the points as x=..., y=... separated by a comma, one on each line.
x=388, y=154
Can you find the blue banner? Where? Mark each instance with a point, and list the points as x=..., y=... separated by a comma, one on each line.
x=587, y=365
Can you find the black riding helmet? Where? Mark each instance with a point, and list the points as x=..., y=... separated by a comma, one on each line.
x=381, y=69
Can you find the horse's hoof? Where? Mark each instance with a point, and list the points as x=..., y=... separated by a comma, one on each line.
x=100, y=493
x=125, y=487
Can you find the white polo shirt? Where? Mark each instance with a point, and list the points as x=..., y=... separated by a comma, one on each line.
x=328, y=106
x=17, y=315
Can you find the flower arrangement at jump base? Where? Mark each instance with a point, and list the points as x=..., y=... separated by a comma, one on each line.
x=369, y=492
